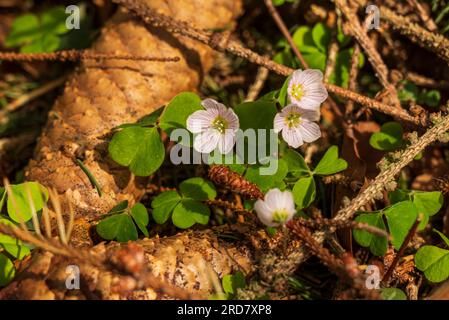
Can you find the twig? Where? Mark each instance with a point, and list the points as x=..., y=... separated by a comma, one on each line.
x=353, y=73
x=430, y=24
x=219, y=43
x=281, y=25
x=256, y=87
x=24, y=99
x=76, y=55
x=426, y=39
x=365, y=42
x=408, y=238
x=423, y=81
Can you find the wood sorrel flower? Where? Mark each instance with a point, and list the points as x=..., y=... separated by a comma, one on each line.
x=297, y=125
x=215, y=127
x=306, y=89
x=276, y=209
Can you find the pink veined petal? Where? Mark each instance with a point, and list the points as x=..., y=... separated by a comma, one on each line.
x=286, y=201
x=310, y=114
x=226, y=142
x=264, y=213
x=279, y=123
x=313, y=96
x=310, y=131
x=206, y=141
x=311, y=76
x=211, y=104
x=296, y=77
x=199, y=121
x=293, y=137
x=232, y=119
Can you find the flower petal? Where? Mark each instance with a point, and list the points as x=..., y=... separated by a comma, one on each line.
x=309, y=131
x=232, y=119
x=279, y=122
x=293, y=137
x=199, y=121
x=310, y=114
x=211, y=104
x=206, y=141
x=226, y=142
x=264, y=213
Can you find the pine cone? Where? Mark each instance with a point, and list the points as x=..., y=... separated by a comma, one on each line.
x=222, y=175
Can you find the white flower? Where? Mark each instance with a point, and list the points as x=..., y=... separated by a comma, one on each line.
x=306, y=88
x=215, y=127
x=297, y=125
x=277, y=208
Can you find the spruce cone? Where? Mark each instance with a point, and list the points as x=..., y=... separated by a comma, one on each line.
x=223, y=176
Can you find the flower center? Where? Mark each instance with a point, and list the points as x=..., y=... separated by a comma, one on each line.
x=297, y=91
x=280, y=216
x=220, y=124
x=293, y=119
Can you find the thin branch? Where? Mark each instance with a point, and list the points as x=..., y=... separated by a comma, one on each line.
x=425, y=39
x=256, y=87
x=281, y=25
x=76, y=55
x=424, y=16
x=408, y=238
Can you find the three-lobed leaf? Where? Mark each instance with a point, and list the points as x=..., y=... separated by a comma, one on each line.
x=198, y=189
x=138, y=148
x=178, y=110
x=378, y=245
x=330, y=163
x=434, y=262
x=389, y=138
x=164, y=204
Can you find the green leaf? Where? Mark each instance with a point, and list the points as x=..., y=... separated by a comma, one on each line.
x=164, y=204
x=400, y=217
x=140, y=216
x=428, y=203
x=398, y=195
x=178, y=110
x=122, y=206
x=432, y=98
x=233, y=282
x=443, y=236
x=296, y=164
x=189, y=212
x=266, y=182
x=321, y=36
x=409, y=92
x=434, y=262
x=330, y=163
x=24, y=29
x=19, y=206
x=377, y=245
x=7, y=270
x=53, y=21
x=302, y=37
x=119, y=227
x=139, y=148
x=146, y=121
x=198, y=189
x=13, y=246
x=2, y=197
x=283, y=93
x=392, y=294
x=389, y=138
x=316, y=60
x=264, y=110
x=304, y=192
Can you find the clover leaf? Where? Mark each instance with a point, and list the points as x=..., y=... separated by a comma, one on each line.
x=377, y=245
x=138, y=148
x=14, y=247
x=175, y=114
x=304, y=192
x=296, y=164
x=427, y=203
x=18, y=203
x=392, y=294
x=232, y=282
x=269, y=181
x=38, y=33
x=330, y=163
x=389, y=138
x=400, y=218
x=7, y=270
x=186, y=208
x=434, y=262
x=121, y=223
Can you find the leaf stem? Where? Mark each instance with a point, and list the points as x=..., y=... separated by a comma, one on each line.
x=91, y=177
